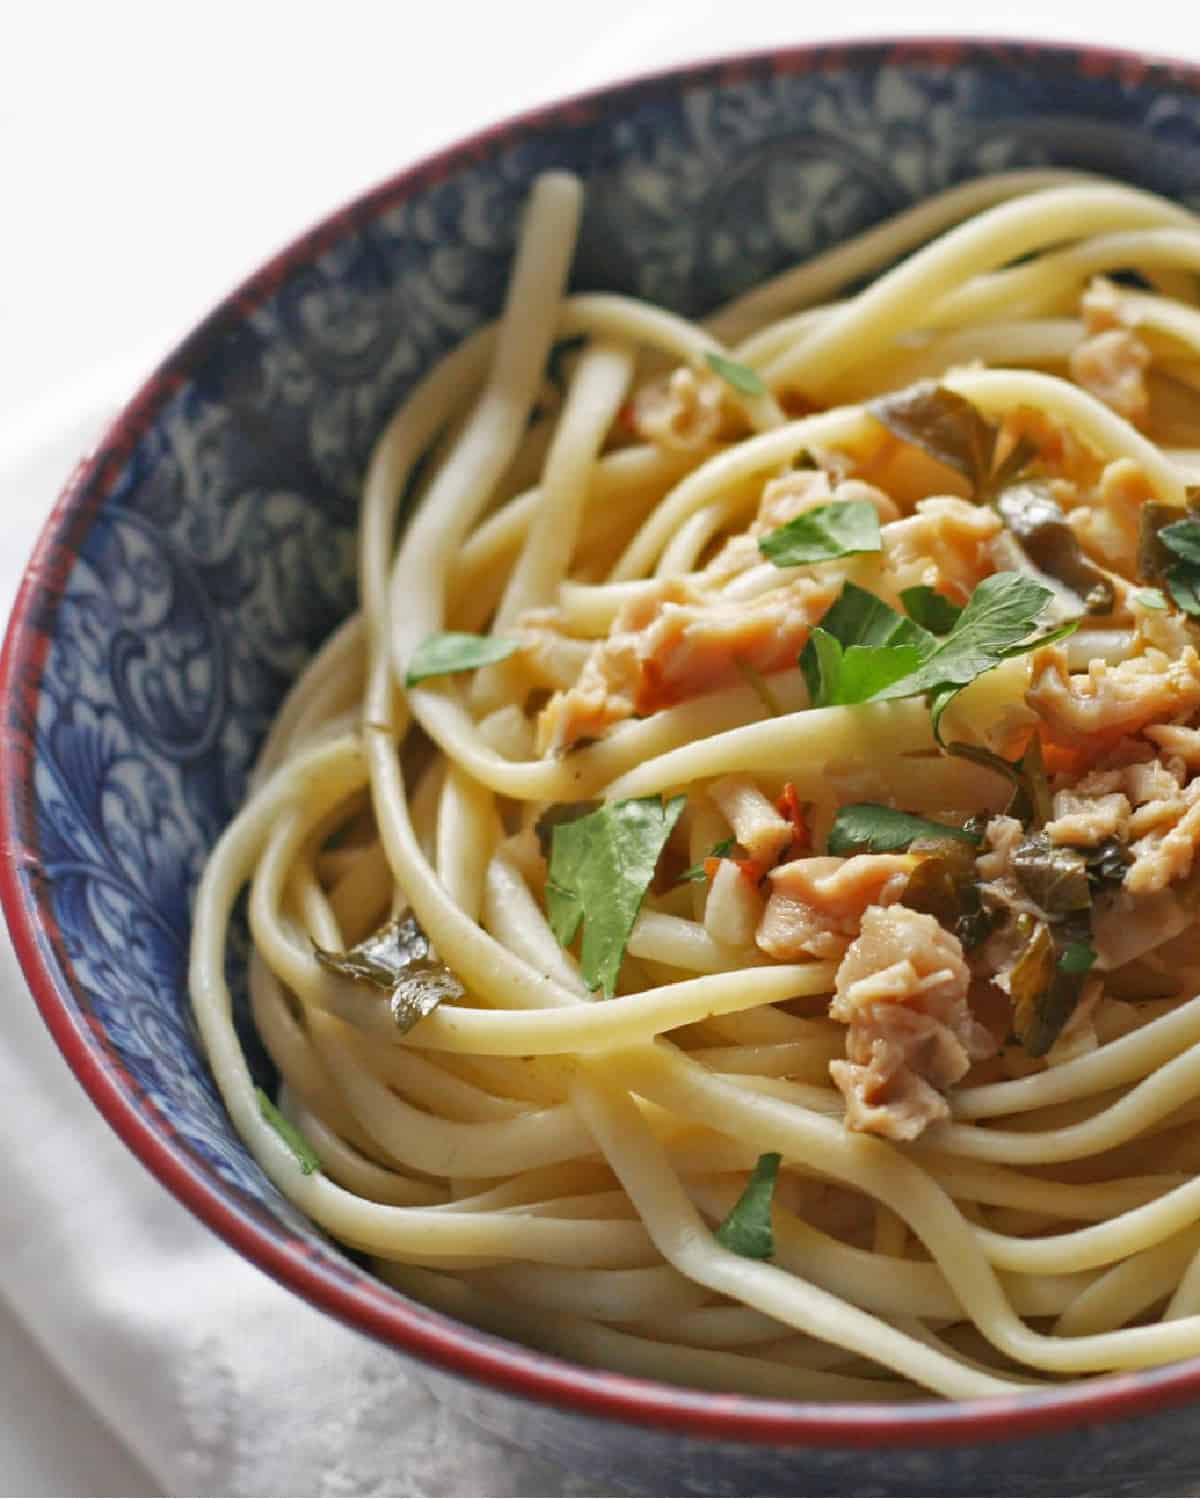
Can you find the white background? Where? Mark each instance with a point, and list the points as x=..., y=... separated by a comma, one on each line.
x=151, y=154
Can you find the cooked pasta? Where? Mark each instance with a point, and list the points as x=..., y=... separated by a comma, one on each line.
x=725, y=907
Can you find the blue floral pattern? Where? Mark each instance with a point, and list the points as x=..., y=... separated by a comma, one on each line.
x=210, y=546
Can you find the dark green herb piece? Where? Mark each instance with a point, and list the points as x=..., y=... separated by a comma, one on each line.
x=696, y=873
x=839, y=529
x=943, y=884
x=879, y=830
x=456, y=651
x=741, y=377
x=1077, y=958
x=397, y=958
x=1044, y=993
x=1056, y=878
x=950, y=429
x=1030, y=803
x=1037, y=522
x=931, y=610
x=943, y=424
x=746, y=1229
x=1107, y=863
x=292, y=1138
x=1169, y=554
x=601, y=866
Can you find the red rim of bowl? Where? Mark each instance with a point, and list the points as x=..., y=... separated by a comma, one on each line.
x=359, y=1300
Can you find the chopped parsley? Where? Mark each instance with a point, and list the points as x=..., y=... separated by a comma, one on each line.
x=601, y=866
x=931, y=610
x=308, y=1160
x=741, y=377
x=839, y=529
x=746, y=1229
x=880, y=830
x=864, y=650
x=456, y=651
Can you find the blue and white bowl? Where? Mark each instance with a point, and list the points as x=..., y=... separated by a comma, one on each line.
x=202, y=552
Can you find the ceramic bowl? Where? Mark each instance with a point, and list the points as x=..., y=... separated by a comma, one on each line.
x=206, y=547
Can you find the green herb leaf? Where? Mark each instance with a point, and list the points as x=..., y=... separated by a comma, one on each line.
x=456, y=651
x=861, y=647
x=741, y=377
x=696, y=873
x=931, y=610
x=1183, y=585
x=1077, y=958
x=398, y=959
x=995, y=625
x=880, y=830
x=746, y=1229
x=1183, y=539
x=839, y=529
x=601, y=866
x=856, y=674
x=1150, y=598
x=307, y=1158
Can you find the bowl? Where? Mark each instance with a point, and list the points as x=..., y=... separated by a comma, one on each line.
x=199, y=555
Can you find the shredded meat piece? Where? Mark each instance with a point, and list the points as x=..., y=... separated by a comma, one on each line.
x=551, y=657
x=1087, y=818
x=945, y=544
x=902, y=990
x=757, y=824
x=1112, y=366
x=683, y=410
x=816, y=903
x=675, y=643
x=1106, y=701
x=1106, y=518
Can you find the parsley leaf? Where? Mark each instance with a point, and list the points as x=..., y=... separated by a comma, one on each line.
x=931, y=610
x=601, y=866
x=746, y=1229
x=456, y=651
x=307, y=1158
x=880, y=830
x=828, y=531
x=995, y=625
x=864, y=650
x=860, y=648
x=1183, y=539
x=741, y=377
x=1077, y=958
x=696, y=873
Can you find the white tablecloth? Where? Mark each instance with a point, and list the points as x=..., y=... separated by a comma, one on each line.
x=151, y=156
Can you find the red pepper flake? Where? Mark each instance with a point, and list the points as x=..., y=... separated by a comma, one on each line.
x=790, y=807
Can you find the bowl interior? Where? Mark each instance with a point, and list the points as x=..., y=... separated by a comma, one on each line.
x=208, y=546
